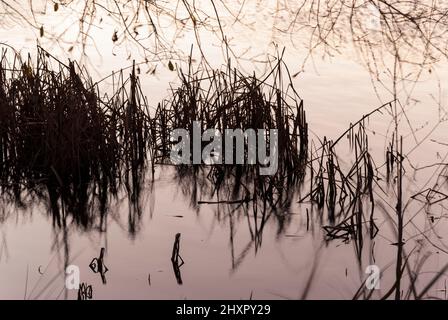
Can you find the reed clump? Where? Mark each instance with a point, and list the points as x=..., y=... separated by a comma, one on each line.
x=60, y=139
x=228, y=99
x=342, y=191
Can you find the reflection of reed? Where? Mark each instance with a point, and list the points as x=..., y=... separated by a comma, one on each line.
x=227, y=99
x=176, y=259
x=98, y=266
x=177, y=274
x=350, y=194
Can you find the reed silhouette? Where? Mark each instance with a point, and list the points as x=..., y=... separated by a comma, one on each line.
x=64, y=144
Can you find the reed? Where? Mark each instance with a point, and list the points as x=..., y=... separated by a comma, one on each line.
x=227, y=99
x=60, y=139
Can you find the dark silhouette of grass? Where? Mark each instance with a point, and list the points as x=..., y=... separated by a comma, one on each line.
x=60, y=140
x=227, y=99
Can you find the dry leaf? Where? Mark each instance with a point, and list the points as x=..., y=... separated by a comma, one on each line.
x=170, y=66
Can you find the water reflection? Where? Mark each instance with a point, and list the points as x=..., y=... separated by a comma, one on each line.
x=85, y=292
x=97, y=266
x=236, y=195
x=387, y=36
x=176, y=259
